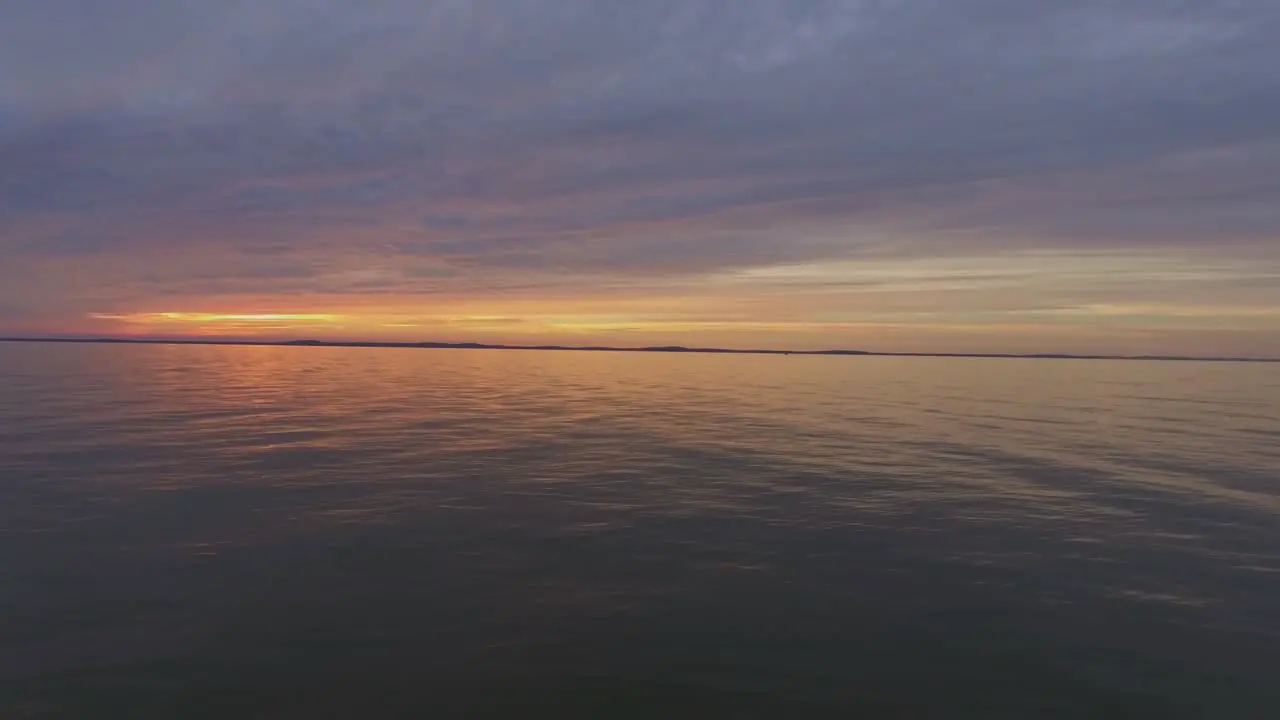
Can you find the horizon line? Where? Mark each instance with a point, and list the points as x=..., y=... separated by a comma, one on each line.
x=437, y=345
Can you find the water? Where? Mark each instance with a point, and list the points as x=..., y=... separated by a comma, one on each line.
x=258, y=532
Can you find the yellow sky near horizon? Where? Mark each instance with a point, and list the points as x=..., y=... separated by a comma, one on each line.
x=1006, y=304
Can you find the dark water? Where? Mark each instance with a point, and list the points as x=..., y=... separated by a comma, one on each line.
x=205, y=532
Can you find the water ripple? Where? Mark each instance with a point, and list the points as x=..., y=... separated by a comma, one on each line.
x=145, y=488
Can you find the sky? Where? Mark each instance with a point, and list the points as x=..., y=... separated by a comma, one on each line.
x=1094, y=176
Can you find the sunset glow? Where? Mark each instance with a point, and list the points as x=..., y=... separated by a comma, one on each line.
x=206, y=318
x=673, y=179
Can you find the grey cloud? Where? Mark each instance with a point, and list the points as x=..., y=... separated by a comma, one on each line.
x=448, y=123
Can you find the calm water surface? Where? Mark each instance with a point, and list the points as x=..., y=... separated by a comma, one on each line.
x=257, y=532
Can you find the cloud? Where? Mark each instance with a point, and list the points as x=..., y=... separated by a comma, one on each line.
x=454, y=147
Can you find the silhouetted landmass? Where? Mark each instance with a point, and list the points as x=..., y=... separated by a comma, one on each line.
x=599, y=348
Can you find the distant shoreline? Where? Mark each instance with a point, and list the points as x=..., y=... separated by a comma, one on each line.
x=658, y=349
